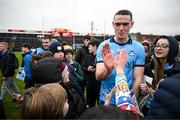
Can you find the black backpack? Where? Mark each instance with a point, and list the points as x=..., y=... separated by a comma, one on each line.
x=47, y=70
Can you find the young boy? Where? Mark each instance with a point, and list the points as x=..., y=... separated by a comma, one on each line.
x=74, y=67
x=93, y=86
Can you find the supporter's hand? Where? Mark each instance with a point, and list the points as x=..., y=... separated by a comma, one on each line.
x=91, y=69
x=4, y=78
x=107, y=57
x=152, y=92
x=108, y=96
x=66, y=78
x=17, y=97
x=144, y=88
x=120, y=61
x=140, y=115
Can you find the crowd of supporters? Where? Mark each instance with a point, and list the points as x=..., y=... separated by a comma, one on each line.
x=119, y=78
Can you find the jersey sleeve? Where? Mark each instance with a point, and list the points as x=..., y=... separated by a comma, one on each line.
x=140, y=58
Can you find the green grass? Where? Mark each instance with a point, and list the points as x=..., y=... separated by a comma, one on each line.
x=11, y=111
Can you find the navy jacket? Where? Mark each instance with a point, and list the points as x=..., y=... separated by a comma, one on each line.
x=166, y=104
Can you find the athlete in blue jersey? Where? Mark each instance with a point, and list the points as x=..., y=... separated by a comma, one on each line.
x=134, y=68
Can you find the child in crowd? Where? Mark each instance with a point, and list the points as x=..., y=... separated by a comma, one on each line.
x=46, y=102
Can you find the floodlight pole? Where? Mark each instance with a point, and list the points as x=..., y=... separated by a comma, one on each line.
x=43, y=24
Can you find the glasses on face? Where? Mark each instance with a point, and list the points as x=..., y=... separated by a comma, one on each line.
x=161, y=46
x=123, y=24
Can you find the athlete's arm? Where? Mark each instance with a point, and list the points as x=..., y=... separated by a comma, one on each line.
x=101, y=71
x=138, y=76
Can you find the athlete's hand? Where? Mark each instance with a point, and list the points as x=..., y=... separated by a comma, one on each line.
x=107, y=57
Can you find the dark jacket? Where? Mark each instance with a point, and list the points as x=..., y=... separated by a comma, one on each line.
x=75, y=100
x=166, y=104
x=75, y=71
x=7, y=63
x=91, y=78
x=2, y=113
x=81, y=55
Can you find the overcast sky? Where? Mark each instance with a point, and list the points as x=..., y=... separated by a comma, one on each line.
x=150, y=16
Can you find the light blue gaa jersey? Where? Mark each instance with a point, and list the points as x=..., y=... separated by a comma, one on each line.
x=135, y=57
x=40, y=50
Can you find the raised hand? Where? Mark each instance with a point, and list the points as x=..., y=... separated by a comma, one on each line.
x=144, y=88
x=107, y=57
x=17, y=97
x=120, y=61
x=108, y=96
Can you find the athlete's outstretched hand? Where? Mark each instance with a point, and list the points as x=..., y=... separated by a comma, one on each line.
x=107, y=57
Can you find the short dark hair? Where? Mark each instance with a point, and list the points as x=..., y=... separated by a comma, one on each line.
x=87, y=37
x=124, y=12
x=46, y=37
x=26, y=45
x=94, y=43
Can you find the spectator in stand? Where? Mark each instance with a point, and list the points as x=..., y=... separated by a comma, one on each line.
x=165, y=52
x=147, y=46
x=105, y=72
x=26, y=50
x=7, y=59
x=93, y=86
x=46, y=42
x=80, y=57
x=46, y=102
